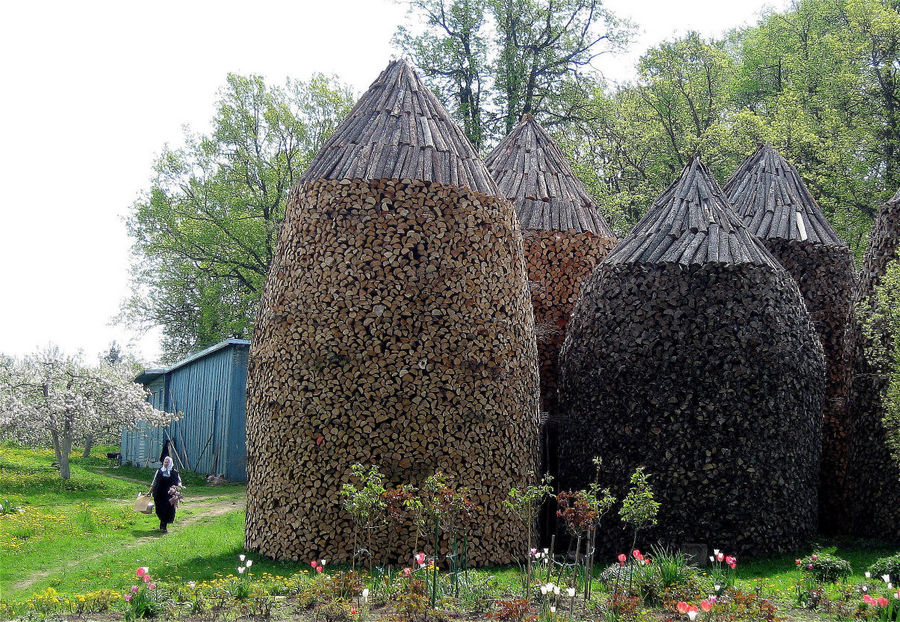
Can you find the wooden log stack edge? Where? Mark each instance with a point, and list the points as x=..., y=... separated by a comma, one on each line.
x=874, y=473
x=769, y=194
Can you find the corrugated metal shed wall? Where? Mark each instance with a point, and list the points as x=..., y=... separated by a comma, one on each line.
x=209, y=438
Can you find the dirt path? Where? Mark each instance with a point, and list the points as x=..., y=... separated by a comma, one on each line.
x=226, y=504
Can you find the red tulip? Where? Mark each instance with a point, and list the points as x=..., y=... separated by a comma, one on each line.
x=705, y=605
x=868, y=599
x=622, y=558
x=720, y=556
x=682, y=607
x=319, y=568
x=313, y=563
x=353, y=612
x=319, y=440
x=882, y=602
x=637, y=554
x=797, y=561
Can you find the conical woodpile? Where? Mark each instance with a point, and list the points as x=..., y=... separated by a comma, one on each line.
x=395, y=329
x=691, y=353
x=768, y=193
x=874, y=472
x=565, y=237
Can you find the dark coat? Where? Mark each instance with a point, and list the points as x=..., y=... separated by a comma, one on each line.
x=160, y=489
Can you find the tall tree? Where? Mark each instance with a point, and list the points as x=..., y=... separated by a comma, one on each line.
x=497, y=59
x=452, y=53
x=205, y=232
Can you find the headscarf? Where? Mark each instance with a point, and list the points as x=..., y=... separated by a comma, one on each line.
x=166, y=467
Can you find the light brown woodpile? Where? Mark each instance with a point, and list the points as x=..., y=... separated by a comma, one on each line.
x=769, y=194
x=565, y=237
x=690, y=352
x=874, y=473
x=395, y=329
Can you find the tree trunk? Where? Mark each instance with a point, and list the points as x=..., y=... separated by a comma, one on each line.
x=88, y=445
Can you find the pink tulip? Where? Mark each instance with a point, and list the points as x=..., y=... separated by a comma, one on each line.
x=407, y=571
x=127, y=597
x=637, y=554
x=868, y=599
x=622, y=558
x=313, y=563
x=814, y=557
x=146, y=578
x=319, y=568
x=152, y=586
x=134, y=589
x=142, y=571
x=720, y=557
x=420, y=559
x=882, y=602
x=810, y=567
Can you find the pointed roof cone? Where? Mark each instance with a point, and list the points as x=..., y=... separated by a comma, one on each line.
x=691, y=223
x=768, y=193
x=896, y=198
x=399, y=130
x=532, y=172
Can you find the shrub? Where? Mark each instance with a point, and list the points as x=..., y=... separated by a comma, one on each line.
x=825, y=568
x=887, y=566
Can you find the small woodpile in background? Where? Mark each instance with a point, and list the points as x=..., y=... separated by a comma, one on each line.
x=565, y=237
x=690, y=352
x=768, y=193
x=395, y=329
x=874, y=474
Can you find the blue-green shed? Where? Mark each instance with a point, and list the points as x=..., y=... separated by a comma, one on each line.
x=208, y=389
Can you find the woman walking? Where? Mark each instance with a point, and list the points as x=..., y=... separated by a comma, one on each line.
x=165, y=478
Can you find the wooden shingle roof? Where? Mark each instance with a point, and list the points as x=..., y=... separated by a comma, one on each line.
x=768, y=193
x=399, y=130
x=691, y=223
x=532, y=172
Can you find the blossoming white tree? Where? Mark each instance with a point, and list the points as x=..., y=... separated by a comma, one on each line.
x=50, y=396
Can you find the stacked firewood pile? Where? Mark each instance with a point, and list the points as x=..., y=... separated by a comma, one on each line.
x=874, y=473
x=768, y=193
x=565, y=235
x=691, y=353
x=396, y=329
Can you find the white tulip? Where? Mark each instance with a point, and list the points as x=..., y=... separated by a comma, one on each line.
x=868, y=575
x=886, y=578
x=552, y=609
x=249, y=563
x=241, y=570
x=242, y=557
x=365, y=594
x=570, y=592
x=692, y=614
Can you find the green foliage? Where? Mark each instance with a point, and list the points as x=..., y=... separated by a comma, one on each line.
x=826, y=568
x=493, y=60
x=639, y=509
x=366, y=504
x=887, y=566
x=881, y=326
x=204, y=233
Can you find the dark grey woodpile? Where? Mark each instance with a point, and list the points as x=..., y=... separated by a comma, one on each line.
x=395, y=329
x=769, y=194
x=874, y=473
x=690, y=352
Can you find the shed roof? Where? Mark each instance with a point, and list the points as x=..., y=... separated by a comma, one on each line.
x=768, y=193
x=399, y=130
x=149, y=375
x=691, y=223
x=532, y=172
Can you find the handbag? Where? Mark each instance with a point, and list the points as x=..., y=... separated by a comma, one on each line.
x=143, y=504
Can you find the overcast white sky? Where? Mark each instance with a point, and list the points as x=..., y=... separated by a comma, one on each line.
x=92, y=90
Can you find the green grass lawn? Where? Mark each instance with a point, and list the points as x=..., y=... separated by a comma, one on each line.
x=82, y=535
